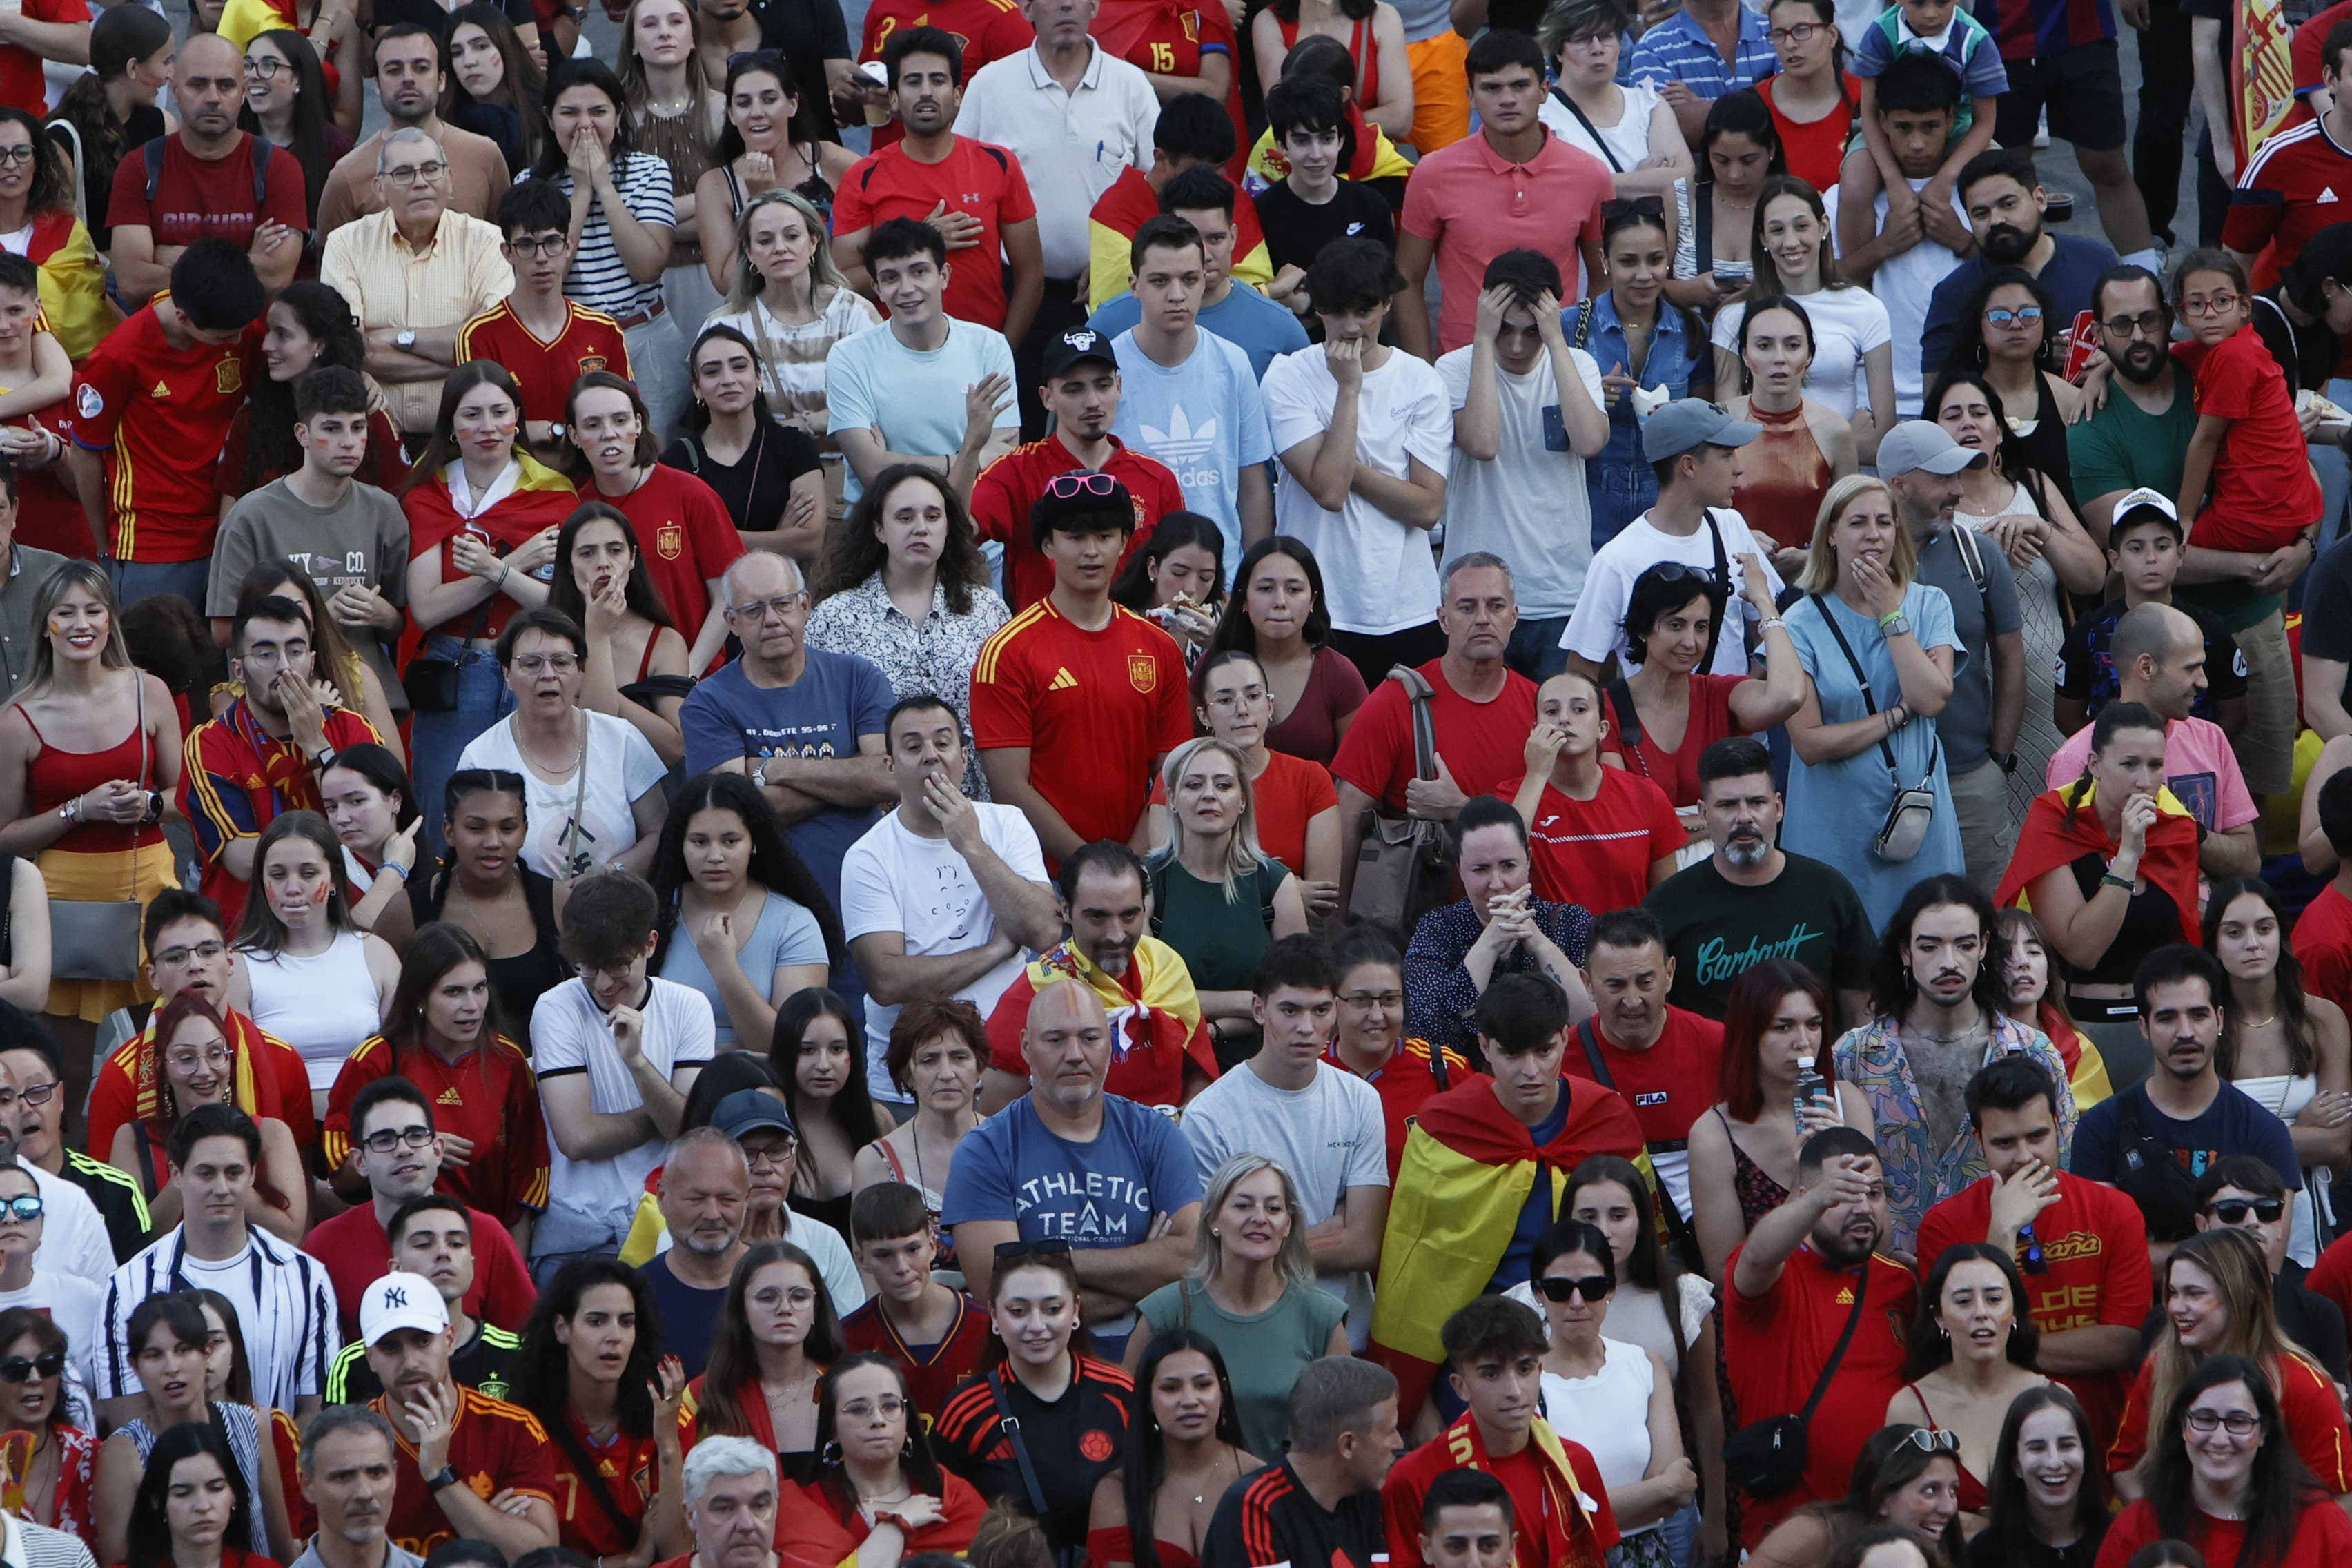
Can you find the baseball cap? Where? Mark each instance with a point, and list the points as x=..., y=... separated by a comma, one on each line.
x=1079, y=343
x=1690, y=422
x=401, y=1300
x=751, y=1110
x=2135, y=506
x=1915, y=444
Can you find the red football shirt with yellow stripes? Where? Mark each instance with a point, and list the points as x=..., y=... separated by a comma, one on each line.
x=494, y=1446
x=630, y=1471
x=160, y=414
x=487, y=1097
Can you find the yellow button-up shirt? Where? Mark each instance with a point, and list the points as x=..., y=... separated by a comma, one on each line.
x=391, y=284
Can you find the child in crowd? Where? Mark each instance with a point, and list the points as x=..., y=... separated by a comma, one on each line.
x=1943, y=29
x=2249, y=445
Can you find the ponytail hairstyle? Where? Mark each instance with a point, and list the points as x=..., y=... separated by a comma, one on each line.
x=2114, y=716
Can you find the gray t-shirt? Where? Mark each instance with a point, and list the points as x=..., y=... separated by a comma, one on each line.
x=362, y=539
x=1331, y=1136
x=1965, y=726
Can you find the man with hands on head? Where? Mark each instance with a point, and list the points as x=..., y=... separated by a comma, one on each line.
x=457, y=1439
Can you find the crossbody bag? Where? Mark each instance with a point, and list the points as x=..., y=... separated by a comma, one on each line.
x=1767, y=1458
x=1912, y=812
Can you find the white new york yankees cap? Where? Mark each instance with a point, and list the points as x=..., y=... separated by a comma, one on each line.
x=401, y=1300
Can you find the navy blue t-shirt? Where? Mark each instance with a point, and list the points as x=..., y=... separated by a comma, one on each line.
x=689, y=1316
x=2073, y=266
x=1536, y=1215
x=2235, y=1124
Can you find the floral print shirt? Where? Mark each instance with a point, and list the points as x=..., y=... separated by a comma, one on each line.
x=935, y=656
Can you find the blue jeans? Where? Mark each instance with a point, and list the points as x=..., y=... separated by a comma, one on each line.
x=1621, y=491
x=137, y=580
x=435, y=739
x=1535, y=651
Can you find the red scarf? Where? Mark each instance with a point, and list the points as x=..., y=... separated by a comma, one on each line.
x=2049, y=842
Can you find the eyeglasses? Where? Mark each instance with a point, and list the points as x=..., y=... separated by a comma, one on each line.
x=1632, y=206
x=1069, y=486
x=890, y=1407
x=173, y=957
x=1928, y=1442
x=16, y=1368
x=1593, y=1288
x=30, y=1207
x=37, y=1094
x=759, y=610
x=189, y=1059
x=1802, y=33
x=415, y=174
x=769, y=1159
x=1387, y=1001
x=2147, y=324
x=616, y=970
x=1009, y=1252
x=2218, y=305
x=2024, y=316
x=2236, y=1423
x=2233, y=1211
x=24, y=154
x=264, y=67
x=562, y=663
x=392, y=1138
x=547, y=245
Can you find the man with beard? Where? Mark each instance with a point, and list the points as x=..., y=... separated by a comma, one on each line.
x=1805, y=1270
x=1103, y=903
x=1936, y=998
x=2155, y=1140
x=704, y=1187
x=266, y=752
x=408, y=83
x=2004, y=200
x=1751, y=899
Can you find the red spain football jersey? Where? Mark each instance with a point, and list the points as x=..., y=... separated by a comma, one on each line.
x=987, y=30
x=629, y=1468
x=686, y=536
x=486, y=1096
x=1404, y=1084
x=590, y=340
x=494, y=1448
x=933, y=1372
x=975, y=177
x=160, y=414
x=1093, y=708
x=2294, y=187
x=1009, y=487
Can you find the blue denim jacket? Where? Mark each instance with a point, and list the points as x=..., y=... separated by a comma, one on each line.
x=1676, y=354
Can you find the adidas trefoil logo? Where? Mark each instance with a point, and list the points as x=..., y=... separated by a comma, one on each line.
x=1182, y=441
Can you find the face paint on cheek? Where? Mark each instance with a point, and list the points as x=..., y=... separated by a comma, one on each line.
x=325, y=890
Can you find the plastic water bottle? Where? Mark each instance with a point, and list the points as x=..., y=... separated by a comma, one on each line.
x=1810, y=1088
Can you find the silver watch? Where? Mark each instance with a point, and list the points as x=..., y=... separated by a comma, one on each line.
x=760, y=774
x=404, y=339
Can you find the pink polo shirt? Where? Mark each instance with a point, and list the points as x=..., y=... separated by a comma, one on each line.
x=1472, y=206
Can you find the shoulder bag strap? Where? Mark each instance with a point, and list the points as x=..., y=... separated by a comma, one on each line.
x=1862, y=680
x=584, y=1467
x=1418, y=695
x=1589, y=1038
x=1012, y=1425
x=1846, y=1337
x=1971, y=549
x=1730, y=597
x=1629, y=719
x=1586, y=120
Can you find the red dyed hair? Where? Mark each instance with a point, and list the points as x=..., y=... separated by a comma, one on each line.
x=1754, y=1002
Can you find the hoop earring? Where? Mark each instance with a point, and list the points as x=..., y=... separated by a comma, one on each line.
x=906, y=1447
x=830, y=1454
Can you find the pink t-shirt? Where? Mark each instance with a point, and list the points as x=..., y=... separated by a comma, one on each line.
x=2198, y=766
x=1472, y=206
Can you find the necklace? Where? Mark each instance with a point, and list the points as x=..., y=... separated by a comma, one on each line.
x=578, y=757
x=2260, y=1023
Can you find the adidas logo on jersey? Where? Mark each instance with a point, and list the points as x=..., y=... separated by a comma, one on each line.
x=1063, y=681
x=450, y=1097
x=2327, y=195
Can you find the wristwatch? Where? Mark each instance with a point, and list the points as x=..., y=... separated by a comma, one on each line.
x=760, y=774
x=325, y=759
x=1897, y=625
x=446, y=1476
x=2005, y=761
x=404, y=339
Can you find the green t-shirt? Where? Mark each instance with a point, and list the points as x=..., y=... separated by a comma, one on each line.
x=1220, y=940
x=2124, y=447
x=1264, y=1352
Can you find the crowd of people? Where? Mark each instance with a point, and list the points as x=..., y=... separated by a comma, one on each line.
x=1646, y=859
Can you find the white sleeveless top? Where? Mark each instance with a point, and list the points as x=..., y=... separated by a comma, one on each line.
x=2285, y=1098
x=323, y=1006
x=1609, y=1411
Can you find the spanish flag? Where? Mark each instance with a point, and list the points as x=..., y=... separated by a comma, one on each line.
x=1469, y=1167
x=2053, y=837
x=1120, y=211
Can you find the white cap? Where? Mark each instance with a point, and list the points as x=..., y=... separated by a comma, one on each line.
x=401, y=1300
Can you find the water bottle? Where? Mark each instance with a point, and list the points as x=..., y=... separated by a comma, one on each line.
x=1811, y=1086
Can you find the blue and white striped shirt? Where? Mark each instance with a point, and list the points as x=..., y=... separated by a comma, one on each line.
x=1678, y=50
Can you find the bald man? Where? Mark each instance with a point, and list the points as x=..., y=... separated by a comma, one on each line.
x=2159, y=660
x=1067, y=1163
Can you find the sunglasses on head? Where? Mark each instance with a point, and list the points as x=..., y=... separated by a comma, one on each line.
x=1009, y=1252
x=2233, y=1211
x=16, y=1368
x=1632, y=206
x=1928, y=1442
x=1069, y=487
x=1593, y=1288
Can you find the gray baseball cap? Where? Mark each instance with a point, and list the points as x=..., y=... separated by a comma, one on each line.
x=1690, y=422
x=1916, y=444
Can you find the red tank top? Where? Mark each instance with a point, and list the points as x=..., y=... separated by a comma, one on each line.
x=1364, y=47
x=58, y=775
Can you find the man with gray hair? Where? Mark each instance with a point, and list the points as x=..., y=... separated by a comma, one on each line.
x=804, y=724
x=415, y=274
x=1480, y=711
x=1320, y=1503
x=731, y=1503
x=2159, y=653
x=349, y=1475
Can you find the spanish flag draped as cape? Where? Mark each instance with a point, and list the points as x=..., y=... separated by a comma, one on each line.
x=2049, y=842
x=1468, y=1168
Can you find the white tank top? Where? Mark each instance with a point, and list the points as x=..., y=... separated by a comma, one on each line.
x=323, y=1006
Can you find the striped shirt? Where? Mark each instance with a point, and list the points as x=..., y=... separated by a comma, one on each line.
x=1678, y=50
x=598, y=278
x=285, y=1307
x=31, y=1545
x=792, y=358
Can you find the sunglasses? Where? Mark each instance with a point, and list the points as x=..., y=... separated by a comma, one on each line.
x=30, y=1207
x=2229, y=1211
x=1593, y=1288
x=1069, y=487
x=16, y=1368
x=2024, y=315
x=1632, y=206
x=1928, y=1442
x=2031, y=1257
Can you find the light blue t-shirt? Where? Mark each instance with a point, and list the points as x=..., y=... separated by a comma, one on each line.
x=1244, y=318
x=785, y=934
x=1204, y=419
x=1103, y=1193
x=915, y=399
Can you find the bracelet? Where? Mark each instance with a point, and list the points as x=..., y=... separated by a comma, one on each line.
x=70, y=812
x=394, y=866
x=2109, y=879
x=505, y=572
x=1763, y=626
x=1890, y=617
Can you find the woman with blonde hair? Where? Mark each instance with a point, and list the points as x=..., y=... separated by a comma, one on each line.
x=89, y=755
x=1209, y=873
x=792, y=303
x=1878, y=649
x=2215, y=1289
x=1251, y=1291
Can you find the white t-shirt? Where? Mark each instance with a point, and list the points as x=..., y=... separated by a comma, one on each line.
x=593, y=1201
x=1528, y=505
x=1331, y=1136
x=71, y=1303
x=1609, y=1412
x=1847, y=324
x=1629, y=141
x=622, y=766
x=892, y=879
x=1904, y=284
x=73, y=1232
x=1597, y=627
x=1378, y=574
